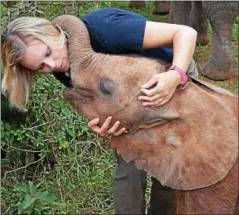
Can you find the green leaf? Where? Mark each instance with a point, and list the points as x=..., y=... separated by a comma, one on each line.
x=32, y=188
x=2, y=134
x=40, y=11
x=7, y=127
x=38, y=185
x=58, y=169
x=46, y=197
x=70, y=186
x=20, y=208
x=23, y=187
x=28, y=201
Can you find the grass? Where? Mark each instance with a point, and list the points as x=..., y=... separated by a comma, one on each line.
x=77, y=164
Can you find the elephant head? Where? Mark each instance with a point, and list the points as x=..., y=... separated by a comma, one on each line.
x=188, y=143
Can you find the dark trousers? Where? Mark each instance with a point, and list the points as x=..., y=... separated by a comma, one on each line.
x=129, y=188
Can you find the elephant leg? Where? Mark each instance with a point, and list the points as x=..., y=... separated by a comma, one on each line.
x=221, y=16
x=161, y=7
x=163, y=199
x=199, y=22
x=237, y=205
x=181, y=12
x=137, y=4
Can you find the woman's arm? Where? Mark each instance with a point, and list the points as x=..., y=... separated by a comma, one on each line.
x=183, y=40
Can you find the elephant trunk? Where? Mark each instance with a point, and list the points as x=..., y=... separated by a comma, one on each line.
x=79, y=45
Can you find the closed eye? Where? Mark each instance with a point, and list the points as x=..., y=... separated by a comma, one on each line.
x=48, y=52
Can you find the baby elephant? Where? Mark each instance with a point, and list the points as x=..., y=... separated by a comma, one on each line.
x=189, y=144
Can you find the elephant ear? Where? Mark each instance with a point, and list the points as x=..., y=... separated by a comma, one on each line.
x=211, y=87
x=196, y=150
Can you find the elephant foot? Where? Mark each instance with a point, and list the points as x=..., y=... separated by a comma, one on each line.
x=216, y=73
x=202, y=40
x=161, y=12
x=137, y=4
x=161, y=8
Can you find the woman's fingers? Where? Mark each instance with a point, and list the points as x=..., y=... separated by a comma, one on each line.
x=104, y=130
x=114, y=128
x=93, y=122
x=153, y=100
x=151, y=82
x=161, y=103
x=150, y=92
x=94, y=125
x=105, y=126
x=166, y=84
x=150, y=99
x=121, y=131
x=157, y=103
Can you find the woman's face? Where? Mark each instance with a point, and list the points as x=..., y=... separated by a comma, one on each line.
x=40, y=57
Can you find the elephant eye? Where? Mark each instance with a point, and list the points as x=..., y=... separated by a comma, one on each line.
x=106, y=87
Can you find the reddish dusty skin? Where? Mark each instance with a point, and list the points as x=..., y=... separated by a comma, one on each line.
x=189, y=144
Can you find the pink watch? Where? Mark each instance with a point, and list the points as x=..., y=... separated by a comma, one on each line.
x=184, y=77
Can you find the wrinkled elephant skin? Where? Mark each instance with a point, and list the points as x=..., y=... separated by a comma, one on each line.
x=190, y=143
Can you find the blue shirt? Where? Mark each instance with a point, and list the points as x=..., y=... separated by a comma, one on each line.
x=116, y=31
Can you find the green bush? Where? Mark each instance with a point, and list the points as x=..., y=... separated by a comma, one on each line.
x=35, y=143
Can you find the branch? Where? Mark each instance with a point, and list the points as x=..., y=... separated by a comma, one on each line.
x=23, y=167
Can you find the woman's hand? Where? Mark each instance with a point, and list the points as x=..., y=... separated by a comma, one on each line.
x=165, y=86
x=104, y=130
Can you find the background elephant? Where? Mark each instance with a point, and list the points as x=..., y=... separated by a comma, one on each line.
x=179, y=143
x=221, y=16
x=160, y=7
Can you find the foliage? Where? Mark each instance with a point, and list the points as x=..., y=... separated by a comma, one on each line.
x=52, y=146
x=235, y=30
x=22, y=8
x=34, y=198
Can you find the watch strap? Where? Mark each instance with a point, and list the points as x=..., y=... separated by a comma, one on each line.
x=184, y=77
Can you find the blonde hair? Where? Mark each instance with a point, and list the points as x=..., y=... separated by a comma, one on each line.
x=16, y=80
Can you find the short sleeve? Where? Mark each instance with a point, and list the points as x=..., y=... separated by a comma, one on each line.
x=117, y=31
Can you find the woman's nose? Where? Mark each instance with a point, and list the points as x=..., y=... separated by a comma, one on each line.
x=50, y=63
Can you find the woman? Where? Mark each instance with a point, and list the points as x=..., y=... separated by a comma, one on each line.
x=35, y=44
